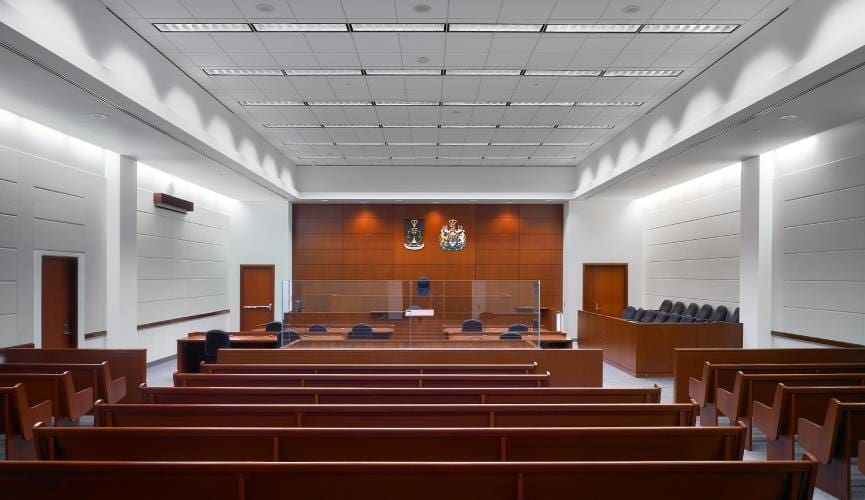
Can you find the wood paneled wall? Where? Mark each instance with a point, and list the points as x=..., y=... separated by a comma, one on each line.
x=365, y=242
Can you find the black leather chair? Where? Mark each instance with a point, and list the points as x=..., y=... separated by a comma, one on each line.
x=674, y=318
x=317, y=329
x=678, y=308
x=629, y=313
x=734, y=318
x=703, y=314
x=289, y=336
x=720, y=314
x=666, y=306
x=687, y=319
x=423, y=287
x=691, y=310
x=661, y=317
x=648, y=317
x=638, y=316
x=472, y=325
x=213, y=341
x=360, y=331
x=511, y=335
x=518, y=327
x=273, y=326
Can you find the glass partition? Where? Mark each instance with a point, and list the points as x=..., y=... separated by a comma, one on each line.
x=413, y=313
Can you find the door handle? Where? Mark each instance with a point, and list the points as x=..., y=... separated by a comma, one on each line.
x=597, y=308
x=269, y=307
x=66, y=329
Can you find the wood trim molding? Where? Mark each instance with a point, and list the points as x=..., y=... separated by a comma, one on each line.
x=95, y=335
x=814, y=340
x=164, y=322
x=29, y=345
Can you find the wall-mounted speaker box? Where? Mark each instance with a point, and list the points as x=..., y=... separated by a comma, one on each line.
x=173, y=203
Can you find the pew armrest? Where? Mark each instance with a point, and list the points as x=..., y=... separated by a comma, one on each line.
x=38, y=413
x=697, y=391
x=766, y=419
x=116, y=390
x=811, y=437
x=725, y=401
x=83, y=402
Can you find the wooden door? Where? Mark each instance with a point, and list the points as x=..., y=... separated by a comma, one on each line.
x=256, y=296
x=59, y=301
x=605, y=288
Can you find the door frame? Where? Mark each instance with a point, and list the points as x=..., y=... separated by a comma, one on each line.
x=81, y=298
x=617, y=264
x=240, y=295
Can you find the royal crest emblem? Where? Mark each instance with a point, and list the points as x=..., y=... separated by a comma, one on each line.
x=452, y=237
x=413, y=229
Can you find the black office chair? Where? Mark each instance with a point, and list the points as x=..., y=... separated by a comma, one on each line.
x=734, y=318
x=423, y=287
x=472, y=325
x=629, y=313
x=666, y=306
x=536, y=324
x=691, y=310
x=719, y=315
x=213, y=341
x=678, y=308
x=289, y=336
x=511, y=335
x=317, y=329
x=638, y=316
x=360, y=331
x=648, y=317
x=703, y=314
x=661, y=317
x=674, y=318
x=518, y=327
x=273, y=326
x=687, y=319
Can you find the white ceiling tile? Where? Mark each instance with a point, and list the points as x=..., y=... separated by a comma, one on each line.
x=369, y=9
x=544, y=60
x=465, y=60
x=313, y=88
x=376, y=42
x=509, y=44
x=422, y=42
x=506, y=60
x=655, y=44
x=181, y=60
x=626, y=61
x=434, y=60
x=468, y=42
x=605, y=44
x=683, y=9
x=560, y=43
x=160, y=8
x=438, y=10
x=360, y=114
x=380, y=59
x=284, y=42
x=583, y=10
x=122, y=9
x=736, y=9
x=295, y=60
x=330, y=42
x=212, y=9
x=254, y=60
x=677, y=60
x=316, y=10
x=193, y=42
x=248, y=10
x=232, y=83
x=585, y=60
x=522, y=11
x=343, y=60
x=696, y=43
x=616, y=10
x=210, y=59
x=474, y=10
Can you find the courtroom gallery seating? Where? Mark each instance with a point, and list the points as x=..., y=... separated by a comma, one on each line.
x=629, y=313
x=213, y=341
x=94, y=375
x=648, y=316
x=472, y=325
x=691, y=310
x=19, y=416
x=666, y=306
x=661, y=317
x=518, y=327
x=638, y=315
x=674, y=318
x=704, y=313
x=834, y=444
x=67, y=403
x=511, y=335
x=678, y=308
x=360, y=331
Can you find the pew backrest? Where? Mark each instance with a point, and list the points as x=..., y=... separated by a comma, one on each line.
x=55, y=387
x=95, y=375
x=790, y=403
x=453, y=368
x=843, y=427
x=17, y=418
x=358, y=380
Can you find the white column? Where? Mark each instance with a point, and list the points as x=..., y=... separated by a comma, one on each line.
x=755, y=268
x=120, y=220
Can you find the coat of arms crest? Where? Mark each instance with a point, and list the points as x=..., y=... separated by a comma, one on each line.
x=452, y=237
x=413, y=234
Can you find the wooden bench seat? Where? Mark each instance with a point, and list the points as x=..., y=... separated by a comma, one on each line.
x=723, y=375
x=58, y=388
x=552, y=415
x=488, y=368
x=833, y=444
x=399, y=395
x=358, y=380
x=17, y=418
x=737, y=404
x=779, y=419
x=414, y=480
x=95, y=375
x=390, y=445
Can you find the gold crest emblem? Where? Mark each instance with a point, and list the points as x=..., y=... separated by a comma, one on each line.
x=452, y=237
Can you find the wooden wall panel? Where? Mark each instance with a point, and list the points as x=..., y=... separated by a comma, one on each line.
x=365, y=242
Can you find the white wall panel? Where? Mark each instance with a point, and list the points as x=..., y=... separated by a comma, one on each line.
x=843, y=296
x=845, y=327
x=8, y=297
x=8, y=164
x=701, y=208
x=833, y=176
x=8, y=197
x=724, y=268
x=8, y=268
x=709, y=248
x=825, y=266
x=710, y=227
x=59, y=236
x=836, y=205
x=825, y=236
x=708, y=290
x=8, y=231
x=57, y=206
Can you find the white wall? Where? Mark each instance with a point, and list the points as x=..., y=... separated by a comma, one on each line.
x=819, y=258
x=692, y=241
x=52, y=192
x=600, y=231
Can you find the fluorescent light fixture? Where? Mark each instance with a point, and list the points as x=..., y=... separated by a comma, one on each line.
x=361, y=144
x=609, y=103
x=388, y=27
x=592, y=28
x=400, y=125
x=576, y=125
x=291, y=125
x=542, y=103
x=464, y=144
x=643, y=72
x=497, y=28
x=300, y=27
x=525, y=125
x=307, y=144
x=243, y=72
x=562, y=72
x=688, y=28
x=339, y=103
x=270, y=102
x=475, y=103
x=190, y=27
x=515, y=144
x=506, y=157
x=412, y=143
x=568, y=144
x=406, y=103
x=404, y=158
x=367, y=157
x=404, y=72
x=468, y=125
x=483, y=72
x=348, y=125
x=323, y=72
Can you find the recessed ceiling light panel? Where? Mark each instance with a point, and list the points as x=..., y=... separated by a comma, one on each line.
x=243, y=72
x=406, y=103
x=475, y=103
x=404, y=72
x=400, y=27
x=270, y=102
x=300, y=27
x=497, y=28
x=592, y=28
x=643, y=72
x=609, y=103
x=562, y=72
x=688, y=28
x=339, y=103
x=323, y=72
x=580, y=126
x=542, y=103
x=192, y=27
x=484, y=72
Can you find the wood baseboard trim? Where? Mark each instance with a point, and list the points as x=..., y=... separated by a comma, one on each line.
x=29, y=345
x=95, y=335
x=144, y=326
x=814, y=340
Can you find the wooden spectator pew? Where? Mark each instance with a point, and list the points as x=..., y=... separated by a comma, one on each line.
x=105, y=444
x=358, y=380
x=688, y=363
x=393, y=395
x=95, y=375
x=834, y=444
x=489, y=368
x=415, y=480
x=58, y=388
x=779, y=422
x=18, y=418
x=717, y=376
x=127, y=364
x=516, y=415
x=567, y=367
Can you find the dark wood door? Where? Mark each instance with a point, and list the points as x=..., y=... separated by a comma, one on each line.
x=256, y=296
x=605, y=288
x=59, y=301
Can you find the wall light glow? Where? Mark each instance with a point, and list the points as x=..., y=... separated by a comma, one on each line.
x=694, y=188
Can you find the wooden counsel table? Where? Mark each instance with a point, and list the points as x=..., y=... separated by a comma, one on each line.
x=190, y=349
x=339, y=330
x=548, y=339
